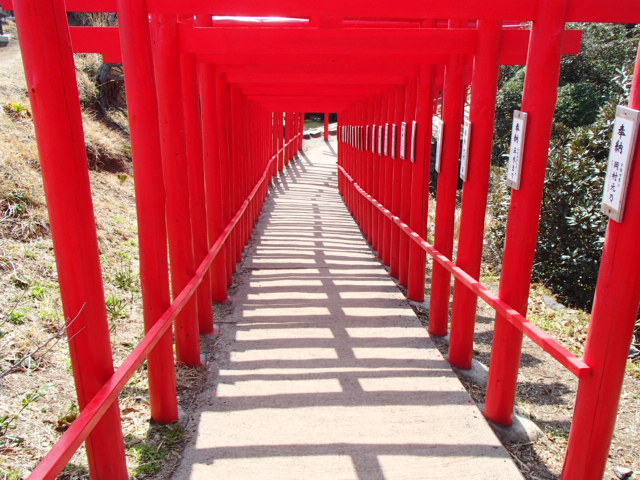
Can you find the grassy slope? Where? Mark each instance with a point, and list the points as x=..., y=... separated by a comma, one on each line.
x=37, y=399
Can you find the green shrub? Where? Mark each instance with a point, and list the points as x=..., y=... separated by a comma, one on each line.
x=572, y=228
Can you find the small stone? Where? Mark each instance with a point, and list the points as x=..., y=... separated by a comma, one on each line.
x=624, y=473
x=634, y=352
x=552, y=303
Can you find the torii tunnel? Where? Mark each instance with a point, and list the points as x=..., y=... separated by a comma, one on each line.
x=216, y=108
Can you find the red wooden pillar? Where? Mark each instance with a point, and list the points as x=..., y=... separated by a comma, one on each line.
x=195, y=170
x=178, y=212
x=46, y=48
x=280, y=136
x=301, y=139
x=382, y=182
x=227, y=150
x=613, y=317
x=539, y=101
x=133, y=20
x=274, y=143
x=223, y=150
x=420, y=184
x=391, y=234
x=476, y=188
x=405, y=192
x=370, y=177
x=212, y=137
x=326, y=127
x=396, y=187
x=391, y=160
x=452, y=113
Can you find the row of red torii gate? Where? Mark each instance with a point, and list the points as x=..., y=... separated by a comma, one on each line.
x=209, y=97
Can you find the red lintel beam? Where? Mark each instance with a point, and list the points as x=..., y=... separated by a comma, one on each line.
x=315, y=79
x=105, y=40
x=343, y=68
x=310, y=90
x=317, y=41
x=615, y=11
x=315, y=104
x=408, y=9
x=612, y=11
x=329, y=63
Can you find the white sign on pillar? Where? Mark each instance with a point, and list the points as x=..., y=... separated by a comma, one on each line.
x=464, y=154
x=437, y=134
x=623, y=142
x=393, y=140
x=386, y=139
x=366, y=138
x=403, y=140
x=516, y=149
x=414, y=134
x=374, y=129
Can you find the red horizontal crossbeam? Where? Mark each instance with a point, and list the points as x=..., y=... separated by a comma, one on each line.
x=104, y=40
x=304, y=90
x=298, y=77
x=315, y=69
x=614, y=11
x=574, y=364
x=317, y=41
x=368, y=46
x=617, y=11
x=278, y=104
x=239, y=45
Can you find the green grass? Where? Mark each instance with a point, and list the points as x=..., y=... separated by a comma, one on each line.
x=312, y=124
x=161, y=443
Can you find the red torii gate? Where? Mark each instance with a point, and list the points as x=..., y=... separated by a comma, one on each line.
x=231, y=79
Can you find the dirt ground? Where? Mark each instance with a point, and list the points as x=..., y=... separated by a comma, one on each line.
x=546, y=394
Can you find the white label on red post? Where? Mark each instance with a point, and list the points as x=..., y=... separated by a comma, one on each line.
x=386, y=139
x=403, y=140
x=623, y=141
x=380, y=128
x=516, y=149
x=414, y=133
x=374, y=129
x=464, y=155
x=366, y=138
x=393, y=140
x=437, y=134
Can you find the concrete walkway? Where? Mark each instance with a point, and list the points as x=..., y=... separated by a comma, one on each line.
x=323, y=370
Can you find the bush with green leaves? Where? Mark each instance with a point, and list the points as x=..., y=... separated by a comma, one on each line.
x=572, y=228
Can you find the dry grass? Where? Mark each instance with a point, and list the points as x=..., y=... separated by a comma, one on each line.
x=32, y=418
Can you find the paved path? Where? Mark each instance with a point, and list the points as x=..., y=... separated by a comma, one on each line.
x=323, y=370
